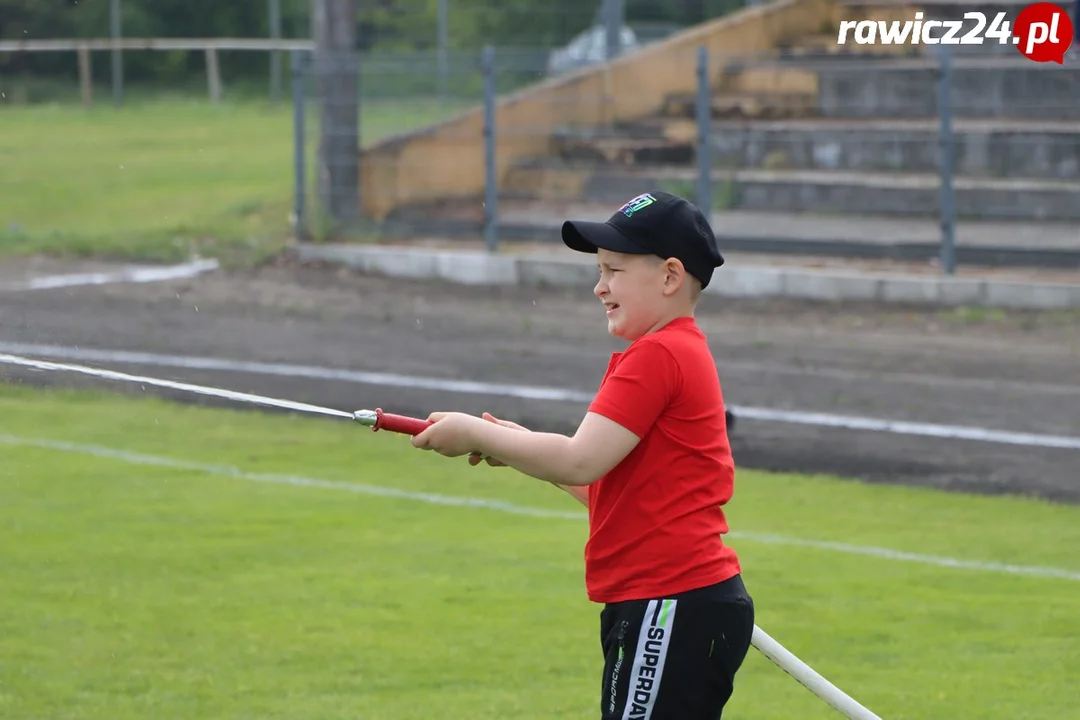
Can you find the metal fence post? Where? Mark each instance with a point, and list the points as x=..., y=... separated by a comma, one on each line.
x=704, y=120
x=442, y=43
x=491, y=211
x=274, y=11
x=297, y=59
x=115, y=31
x=613, y=13
x=945, y=142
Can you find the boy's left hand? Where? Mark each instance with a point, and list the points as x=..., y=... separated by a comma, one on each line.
x=451, y=434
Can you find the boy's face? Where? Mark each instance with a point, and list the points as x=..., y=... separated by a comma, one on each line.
x=635, y=290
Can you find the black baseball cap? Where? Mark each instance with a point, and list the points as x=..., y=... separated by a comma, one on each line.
x=655, y=223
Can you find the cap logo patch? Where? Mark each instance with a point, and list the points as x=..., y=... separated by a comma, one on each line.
x=641, y=201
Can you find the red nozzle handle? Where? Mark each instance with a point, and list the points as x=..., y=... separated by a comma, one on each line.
x=399, y=423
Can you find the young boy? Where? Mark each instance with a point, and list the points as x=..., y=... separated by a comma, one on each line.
x=652, y=463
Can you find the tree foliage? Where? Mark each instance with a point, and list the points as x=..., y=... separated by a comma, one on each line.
x=381, y=24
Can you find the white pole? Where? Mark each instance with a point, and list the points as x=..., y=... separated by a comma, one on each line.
x=806, y=675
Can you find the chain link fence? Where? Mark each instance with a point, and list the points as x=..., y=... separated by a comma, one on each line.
x=936, y=154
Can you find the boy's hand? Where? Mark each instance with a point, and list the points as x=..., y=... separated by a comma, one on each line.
x=477, y=458
x=449, y=434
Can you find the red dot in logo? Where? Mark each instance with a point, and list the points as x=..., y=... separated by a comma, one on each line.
x=1043, y=32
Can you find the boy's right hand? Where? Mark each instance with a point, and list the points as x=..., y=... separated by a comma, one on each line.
x=475, y=458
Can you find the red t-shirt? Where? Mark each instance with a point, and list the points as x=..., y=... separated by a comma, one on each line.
x=656, y=519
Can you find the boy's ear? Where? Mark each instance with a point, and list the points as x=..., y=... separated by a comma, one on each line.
x=674, y=275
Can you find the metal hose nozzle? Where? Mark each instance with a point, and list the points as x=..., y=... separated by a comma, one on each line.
x=366, y=417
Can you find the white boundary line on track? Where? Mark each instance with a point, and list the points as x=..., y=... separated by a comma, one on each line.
x=514, y=509
x=928, y=381
x=124, y=275
x=532, y=392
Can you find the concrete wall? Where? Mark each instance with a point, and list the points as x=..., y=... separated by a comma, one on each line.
x=446, y=161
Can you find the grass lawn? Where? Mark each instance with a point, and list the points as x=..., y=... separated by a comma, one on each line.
x=135, y=589
x=157, y=179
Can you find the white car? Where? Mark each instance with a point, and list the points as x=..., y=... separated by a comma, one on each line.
x=588, y=48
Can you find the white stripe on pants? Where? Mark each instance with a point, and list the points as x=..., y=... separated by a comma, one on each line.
x=652, y=648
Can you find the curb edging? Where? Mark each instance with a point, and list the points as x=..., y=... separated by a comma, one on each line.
x=470, y=267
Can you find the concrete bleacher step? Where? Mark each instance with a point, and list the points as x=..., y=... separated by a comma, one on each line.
x=657, y=127
x=985, y=148
x=988, y=86
x=981, y=148
x=982, y=87
x=773, y=232
x=544, y=179
x=746, y=105
x=622, y=148
x=829, y=192
x=824, y=45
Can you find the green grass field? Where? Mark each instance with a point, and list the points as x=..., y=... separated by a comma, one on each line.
x=135, y=589
x=156, y=179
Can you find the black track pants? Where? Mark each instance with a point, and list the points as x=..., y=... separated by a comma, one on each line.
x=675, y=658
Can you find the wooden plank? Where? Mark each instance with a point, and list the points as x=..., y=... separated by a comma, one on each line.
x=98, y=44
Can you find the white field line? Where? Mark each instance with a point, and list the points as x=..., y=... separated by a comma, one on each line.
x=514, y=509
x=123, y=275
x=532, y=392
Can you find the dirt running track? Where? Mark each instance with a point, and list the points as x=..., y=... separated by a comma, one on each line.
x=1018, y=373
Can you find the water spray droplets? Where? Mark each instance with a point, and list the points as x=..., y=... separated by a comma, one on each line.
x=143, y=382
